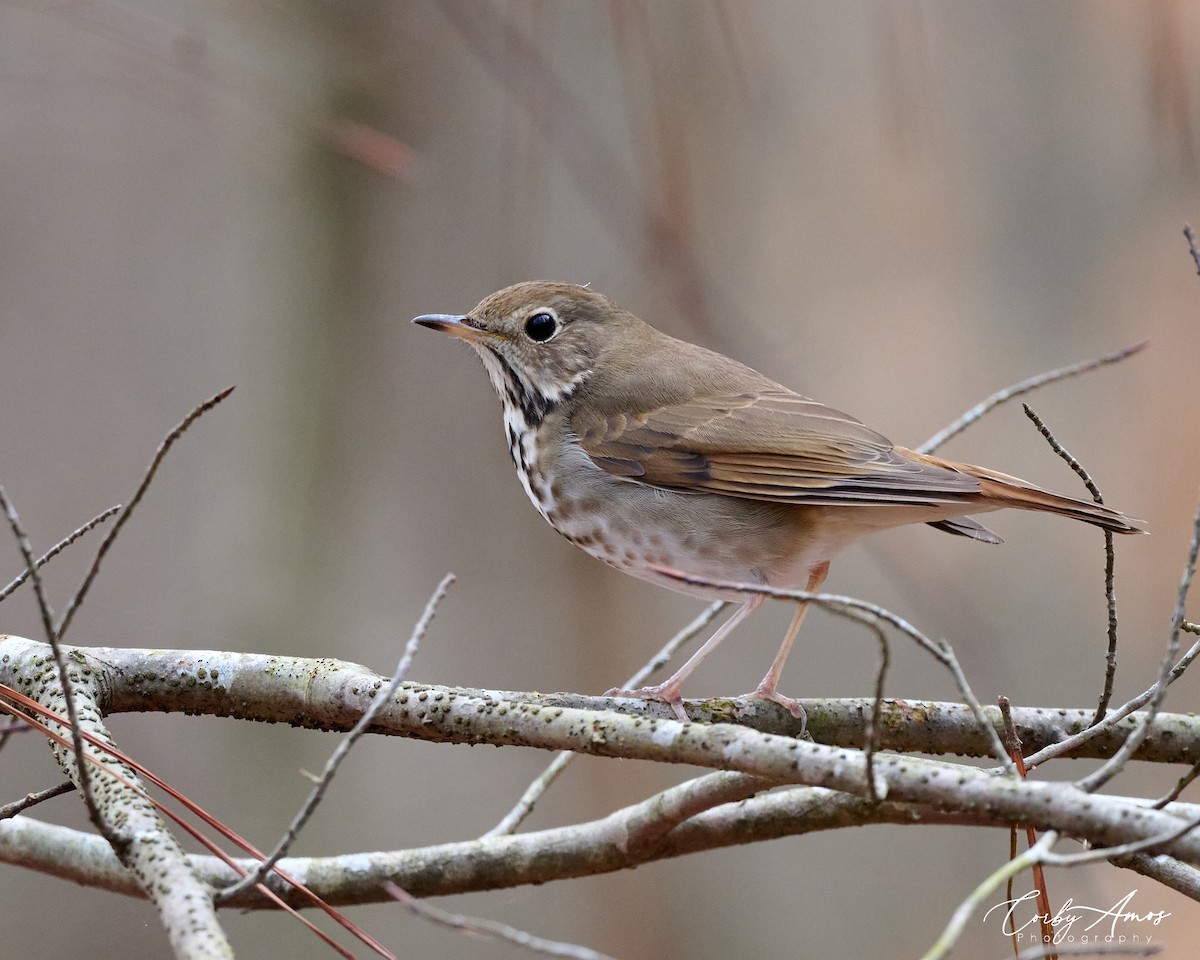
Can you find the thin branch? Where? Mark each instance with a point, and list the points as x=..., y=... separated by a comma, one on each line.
x=1191, y=239
x=10, y=730
x=649, y=823
x=273, y=688
x=1064, y=453
x=1016, y=390
x=578, y=850
x=264, y=688
x=493, y=930
x=137, y=835
x=33, y=799
x=1123, y=850
x=58, y=548
x=1110, y=593
x=169, y=441
x=671, y=647
x=137, y=801
x=874, y=731
x=857, y=609
x=255, y=877
x=1112, y=767
x=1013, y=742
x=83, y=772
x=533, y=793
x=944, y=945
x=1173, y=794
x=1073, y=742
x=1181, y=877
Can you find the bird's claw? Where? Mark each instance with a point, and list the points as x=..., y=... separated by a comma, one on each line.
x=662, y=693
x=792, y=706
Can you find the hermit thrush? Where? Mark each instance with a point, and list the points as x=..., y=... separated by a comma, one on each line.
x=656, y=455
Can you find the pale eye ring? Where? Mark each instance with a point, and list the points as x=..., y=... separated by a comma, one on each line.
x=541, y=326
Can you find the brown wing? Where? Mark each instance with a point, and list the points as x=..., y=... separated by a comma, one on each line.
x=769, y=445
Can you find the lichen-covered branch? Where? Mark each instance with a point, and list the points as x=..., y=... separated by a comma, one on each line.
x=331, y=695
x=584, y=849
x=146, y=849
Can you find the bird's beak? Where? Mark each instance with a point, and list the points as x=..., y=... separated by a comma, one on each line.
x=455, y=326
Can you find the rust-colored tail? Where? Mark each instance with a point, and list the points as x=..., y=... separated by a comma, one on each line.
x=1001, y=490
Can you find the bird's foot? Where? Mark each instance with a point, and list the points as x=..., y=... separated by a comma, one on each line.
x=793, y=707
x=663, y=692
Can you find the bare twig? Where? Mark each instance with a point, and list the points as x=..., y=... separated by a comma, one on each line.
x=1173, y=794
x=55, y=632
x=60, y=661
x=958, y=921
x=58, y=548
x=492, y=930
x=1113, y=766
x=1191, y=239
x=1066, y=455
x=74, y=603
x=153, y=854
x=1017, y=389
x=255, y=877
x=31, y=567
x=9, y=730
x=1110, y=593
x=871, y=744
x=533, y=793
x=1123, y=850
x=862, y=610
x=648, y=823
x=1073, y=742
x=33, y=799
x=1168, y=871
x=671, y=647
x=1013, y=742
x=580, y=849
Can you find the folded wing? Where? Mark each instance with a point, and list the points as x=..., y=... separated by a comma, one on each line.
x=770, y=445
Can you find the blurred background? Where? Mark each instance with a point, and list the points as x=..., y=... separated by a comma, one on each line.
x=896, y=208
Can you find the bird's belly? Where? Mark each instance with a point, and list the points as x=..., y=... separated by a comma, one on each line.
x=643, y=530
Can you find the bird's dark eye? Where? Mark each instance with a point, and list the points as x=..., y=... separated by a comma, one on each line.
x=541, y=327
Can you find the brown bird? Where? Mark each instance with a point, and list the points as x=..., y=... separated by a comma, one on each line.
x=654, y=455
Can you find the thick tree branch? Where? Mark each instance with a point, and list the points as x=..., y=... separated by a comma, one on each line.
x=585, y=849
x=146, y=847
x=331, y=695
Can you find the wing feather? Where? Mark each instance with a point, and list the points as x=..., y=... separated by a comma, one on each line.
x=771, y=445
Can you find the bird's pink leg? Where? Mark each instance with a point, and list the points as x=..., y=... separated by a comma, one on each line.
x=767, y=689
x=669, y=690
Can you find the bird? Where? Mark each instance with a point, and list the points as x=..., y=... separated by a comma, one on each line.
x=685, y=468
